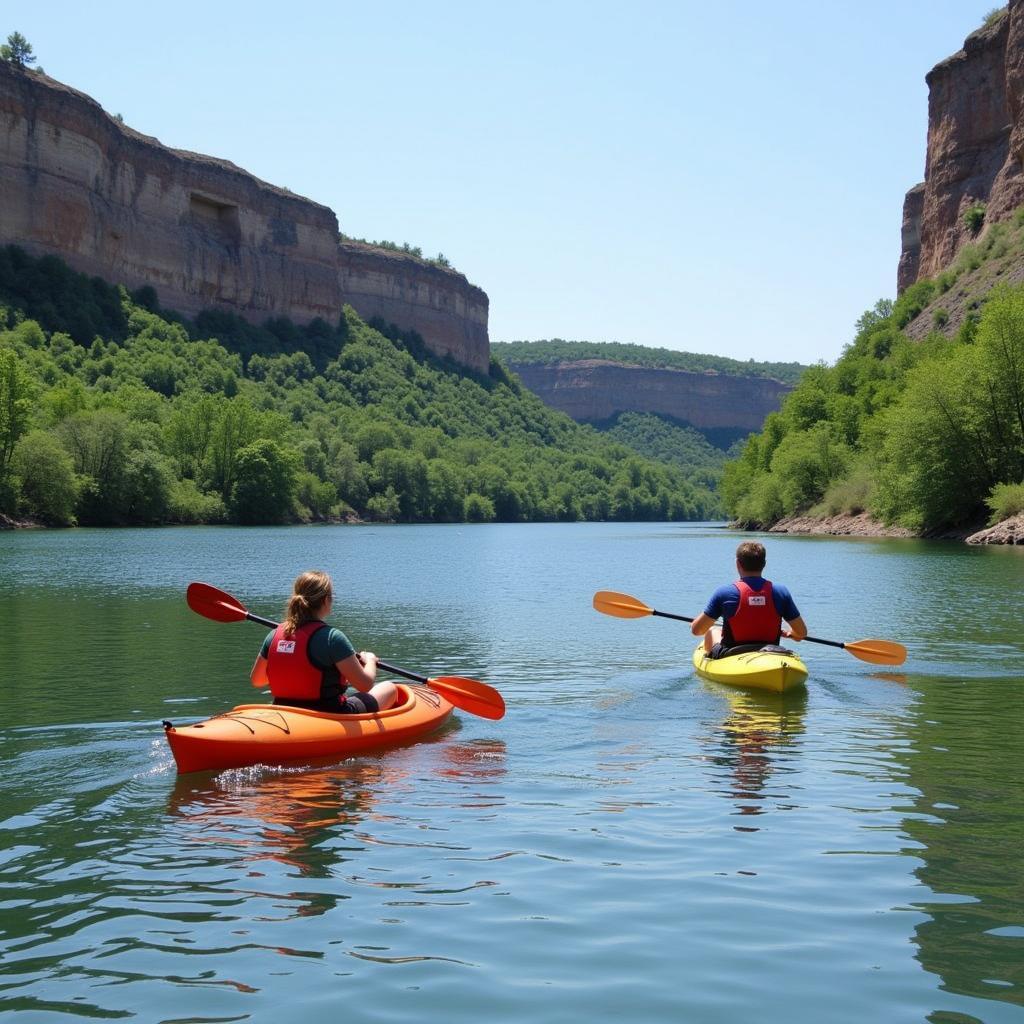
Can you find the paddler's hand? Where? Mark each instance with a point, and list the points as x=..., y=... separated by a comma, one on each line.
x=369, y=660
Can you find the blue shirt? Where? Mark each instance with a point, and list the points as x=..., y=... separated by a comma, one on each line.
x=726, y=600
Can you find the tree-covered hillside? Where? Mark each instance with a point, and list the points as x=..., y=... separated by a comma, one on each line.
x=669, y=440
x=926, y=435
x=556, y=350
x=112, y=411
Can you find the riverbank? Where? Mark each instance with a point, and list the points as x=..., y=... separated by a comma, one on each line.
x=348, y=519
x=1009, y=531
x=861, y=524
x=845, y=525
x=7, y=523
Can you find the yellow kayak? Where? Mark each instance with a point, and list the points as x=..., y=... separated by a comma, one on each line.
x=758, y=670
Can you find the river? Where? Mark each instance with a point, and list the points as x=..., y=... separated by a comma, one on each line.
x=629, y=842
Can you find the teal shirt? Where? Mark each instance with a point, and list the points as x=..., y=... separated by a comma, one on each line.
x=326, y=648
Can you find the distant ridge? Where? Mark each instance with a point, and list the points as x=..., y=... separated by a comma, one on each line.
x=558, y=350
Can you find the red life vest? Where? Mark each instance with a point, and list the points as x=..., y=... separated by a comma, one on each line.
x=289, y=669
x=756, y=621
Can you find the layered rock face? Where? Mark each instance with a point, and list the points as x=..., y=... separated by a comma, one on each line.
x=410, y=292
x=592, y=390
x=975, y=146
x=76, y=183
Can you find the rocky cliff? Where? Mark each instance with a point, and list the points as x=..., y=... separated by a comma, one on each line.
x=77, y=183
x=410, y=292
x=975, y=149
x=593, y=390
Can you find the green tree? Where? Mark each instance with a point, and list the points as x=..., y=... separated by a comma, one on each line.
x=934, y=461
x=17, y=51
x=761, y=503
x=372, y=438
x=97, y=443
x=808, y=403
x=805, y=463
x=146, y=487
x=315, y=495
x=1000, y=338
x=384, y=507
x=477, y=508
x=447, y=491
x=189, y=432
x=16, y=393
x=406, y=474
x=347, y=473
x=186, y=503
x=264, y=485
x=236, y=426
x=46, y=475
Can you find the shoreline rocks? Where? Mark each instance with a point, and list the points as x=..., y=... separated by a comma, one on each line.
x=847, y=524
x=862, y=524
x=1009, y=531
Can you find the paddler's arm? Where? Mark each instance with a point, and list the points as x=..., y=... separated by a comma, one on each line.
x=704, y=622
x=258, y=675
x=359, y=670
x=797, y=629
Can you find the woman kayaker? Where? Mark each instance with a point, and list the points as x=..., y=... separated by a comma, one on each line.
x=752, y=609
x=308, y=664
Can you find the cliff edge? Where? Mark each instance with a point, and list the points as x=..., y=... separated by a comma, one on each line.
x=114, y=203
x=975, y=151
x=592, y=390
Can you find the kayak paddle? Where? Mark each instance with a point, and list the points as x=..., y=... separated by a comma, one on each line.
x=469, y=694
x=878, y=652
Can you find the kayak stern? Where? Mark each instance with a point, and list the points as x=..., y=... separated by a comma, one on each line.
x=757, y=670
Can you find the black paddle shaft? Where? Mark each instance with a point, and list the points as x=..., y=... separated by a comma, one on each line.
x=830, y=643
x=669, y=615
x=261, y=620
x=811, y=639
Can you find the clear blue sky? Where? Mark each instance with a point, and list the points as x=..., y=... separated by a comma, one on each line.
x=718, y=177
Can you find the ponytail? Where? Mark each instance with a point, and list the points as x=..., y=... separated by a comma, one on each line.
x=309, y=593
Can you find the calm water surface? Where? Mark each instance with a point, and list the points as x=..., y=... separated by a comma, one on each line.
x=628, y=843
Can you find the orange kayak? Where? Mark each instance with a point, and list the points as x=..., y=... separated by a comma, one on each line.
x=273, y=734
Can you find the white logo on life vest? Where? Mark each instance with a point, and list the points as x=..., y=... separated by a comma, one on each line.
x=285, y=646
x=758, y=600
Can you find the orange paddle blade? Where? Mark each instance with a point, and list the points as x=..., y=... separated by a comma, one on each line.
x=878, y=652
x=471, y=695
x=621, y=605
x=214, y=604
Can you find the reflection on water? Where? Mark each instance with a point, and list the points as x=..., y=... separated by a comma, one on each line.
x=967, y=764
x=285, y=815
x=892, y=677
x=757, y=740
x=313, y=819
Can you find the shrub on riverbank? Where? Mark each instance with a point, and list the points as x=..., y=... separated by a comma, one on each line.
x=1005, y=500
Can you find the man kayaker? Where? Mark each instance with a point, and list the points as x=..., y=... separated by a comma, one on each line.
x=308, y=664
x=752, y=609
